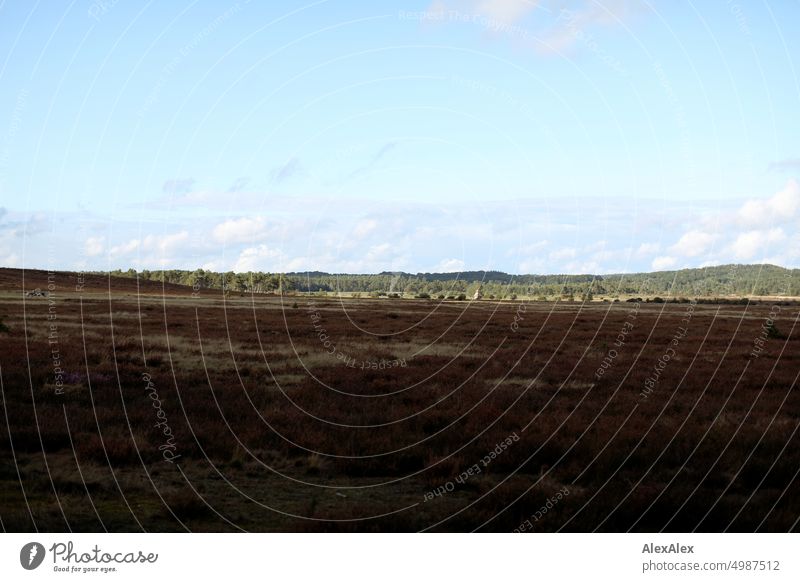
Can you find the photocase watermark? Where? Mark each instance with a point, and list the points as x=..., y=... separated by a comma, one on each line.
x=767, y=332
x=168, y=448
x=52, y=334
x=738, y=15
x=69, y=560
x=13, y=129
x=619, y=341
x=572, y=23
x=95, y=560
x=679, y=117
x=493, y=91
x=99, y=8
x=669, y=353
x=522, y=308
x=349, y=361
x=491, y=24
x=475, y=469
x=31, y=555
x=551, y=502
x=169, y=69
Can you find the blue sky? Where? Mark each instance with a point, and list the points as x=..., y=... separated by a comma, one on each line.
x=547, y=137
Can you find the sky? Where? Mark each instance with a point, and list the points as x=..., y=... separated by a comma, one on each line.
x=551, y=136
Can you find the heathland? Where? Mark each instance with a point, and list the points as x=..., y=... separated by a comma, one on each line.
x=131, y=404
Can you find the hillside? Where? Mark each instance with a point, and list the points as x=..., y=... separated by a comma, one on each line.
x=718, y=281
x=72, y=282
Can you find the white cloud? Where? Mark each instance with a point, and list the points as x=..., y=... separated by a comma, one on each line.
x=450, y=266
x=125, y=249
x=178, y=185
x=791, y=164
x=165, y=243
x=162, y=244
x=9, y=260
x=693, y=243
x=259, y=258
x=365, y=227
x=240, y=230
x=780, y=208
x=529, y=266
x=285, y=171
x=647, y=249
x=379, y=253
x=562, y=254
x=575, y=26
x=663, y=263
x=496, y=12
x=94, y=245
x=750, y=243
x=599, y=245
x=505, y=11
x=533, y=248
x=580, y=268
x=602, y=258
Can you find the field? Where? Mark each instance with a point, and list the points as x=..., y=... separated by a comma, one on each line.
x=131, y=407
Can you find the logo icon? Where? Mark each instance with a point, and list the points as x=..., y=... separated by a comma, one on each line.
x=31, y=555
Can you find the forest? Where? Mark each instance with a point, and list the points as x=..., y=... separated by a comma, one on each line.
x=725, y=281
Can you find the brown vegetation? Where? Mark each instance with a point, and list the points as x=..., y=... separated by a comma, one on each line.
x=345, y=415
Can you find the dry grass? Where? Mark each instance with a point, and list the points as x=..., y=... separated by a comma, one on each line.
x=349, y=443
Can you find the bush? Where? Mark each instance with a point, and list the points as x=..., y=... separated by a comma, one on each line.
x=461, y=297
x=773, y=332
x=423, y=296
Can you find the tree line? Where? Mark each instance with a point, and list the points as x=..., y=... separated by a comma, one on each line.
x=719, y=281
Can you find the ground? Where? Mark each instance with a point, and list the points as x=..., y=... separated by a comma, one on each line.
x=130, y=407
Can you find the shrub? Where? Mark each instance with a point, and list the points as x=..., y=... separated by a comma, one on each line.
x=187, y=505
x=423, y=296
x=773, y=332
x=461, y=297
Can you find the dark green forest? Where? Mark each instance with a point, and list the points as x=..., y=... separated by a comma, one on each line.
x=725, y=281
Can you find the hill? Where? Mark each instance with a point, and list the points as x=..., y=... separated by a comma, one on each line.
x=732, y=280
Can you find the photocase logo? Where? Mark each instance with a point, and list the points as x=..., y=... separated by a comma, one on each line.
x=31, y=555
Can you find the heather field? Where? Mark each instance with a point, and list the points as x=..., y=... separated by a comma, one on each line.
x=131, y=406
